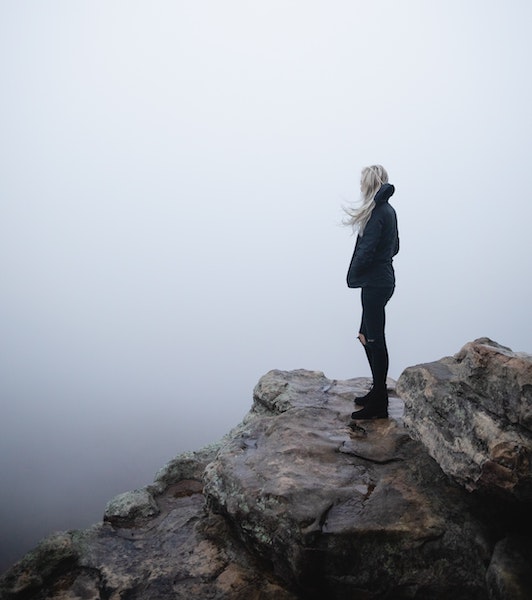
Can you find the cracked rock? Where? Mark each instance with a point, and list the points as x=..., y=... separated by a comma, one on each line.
x=473, y=413
x=333, y=510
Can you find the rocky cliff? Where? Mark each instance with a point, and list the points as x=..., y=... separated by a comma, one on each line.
x=297, y=502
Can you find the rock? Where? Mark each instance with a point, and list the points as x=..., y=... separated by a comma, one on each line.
x=182, y=552
x=296, y=502
x=336, y=510
x=53, y=556
x=473, y=413
x=510, y=571
x=186, y=466
x=131, y=506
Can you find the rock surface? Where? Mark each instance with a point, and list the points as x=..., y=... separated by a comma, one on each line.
x=473, y=413
x=296, y=504
x=182, y=552
x=339, y=512
x=509, y=574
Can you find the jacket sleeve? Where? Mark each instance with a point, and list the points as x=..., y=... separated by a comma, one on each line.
x=367, y=245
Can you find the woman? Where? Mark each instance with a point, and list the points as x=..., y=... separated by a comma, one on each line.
x=371, y=269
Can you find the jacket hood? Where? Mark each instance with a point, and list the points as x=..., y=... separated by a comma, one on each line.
x=385, y=192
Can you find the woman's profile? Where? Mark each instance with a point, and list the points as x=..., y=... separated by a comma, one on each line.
x=371, y=269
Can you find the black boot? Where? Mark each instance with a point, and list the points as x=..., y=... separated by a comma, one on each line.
x=363, y=400
x=376, y=408
x=376, y=401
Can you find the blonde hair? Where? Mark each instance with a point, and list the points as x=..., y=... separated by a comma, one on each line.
x=371, y=179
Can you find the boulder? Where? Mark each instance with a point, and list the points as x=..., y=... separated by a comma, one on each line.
x=130, y=506
x=338, y=511
x=473, y=413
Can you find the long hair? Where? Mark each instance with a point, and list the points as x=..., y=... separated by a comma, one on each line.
x=371, y=179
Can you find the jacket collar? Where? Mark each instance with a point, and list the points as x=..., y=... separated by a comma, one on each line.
x=385, y=192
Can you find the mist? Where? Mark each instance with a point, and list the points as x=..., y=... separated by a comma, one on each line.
x=172, y=178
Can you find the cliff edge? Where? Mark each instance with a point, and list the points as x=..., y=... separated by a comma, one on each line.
x=296, y=503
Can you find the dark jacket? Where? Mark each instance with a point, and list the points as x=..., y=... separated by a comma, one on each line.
x=371, y=264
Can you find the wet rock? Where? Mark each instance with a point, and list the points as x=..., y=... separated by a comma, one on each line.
x=336, y=510
x=473, y=413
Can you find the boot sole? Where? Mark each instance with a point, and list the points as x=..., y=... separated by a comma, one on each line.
x=382, y=415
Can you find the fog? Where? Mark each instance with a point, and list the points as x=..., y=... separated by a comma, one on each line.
x=172, y=177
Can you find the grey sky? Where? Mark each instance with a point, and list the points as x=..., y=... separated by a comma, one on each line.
x=171, y=182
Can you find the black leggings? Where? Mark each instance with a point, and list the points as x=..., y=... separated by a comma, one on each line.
x=374, y=299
